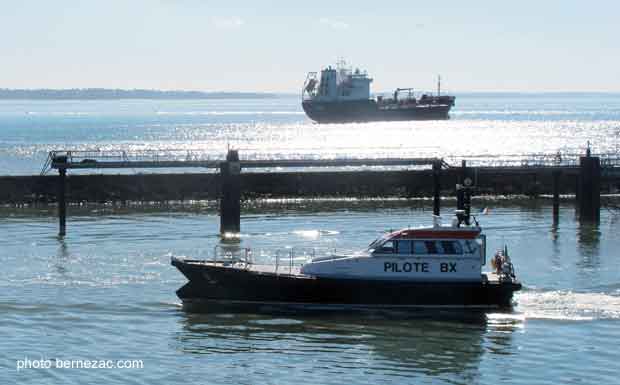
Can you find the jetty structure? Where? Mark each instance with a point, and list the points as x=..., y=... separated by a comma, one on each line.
x=233, y=179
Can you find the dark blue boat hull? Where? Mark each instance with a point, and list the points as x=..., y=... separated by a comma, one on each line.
x=369, y=111
x=246, y=288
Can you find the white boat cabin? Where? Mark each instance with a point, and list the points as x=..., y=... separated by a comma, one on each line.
x=439, y=253
x=337, y=85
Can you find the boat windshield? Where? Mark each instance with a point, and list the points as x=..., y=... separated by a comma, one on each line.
x=377, y=242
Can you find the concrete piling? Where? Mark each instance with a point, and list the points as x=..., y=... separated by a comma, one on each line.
x=464, y=191
x=589, y=188
x=463, y=203
x=436, y=187
x=577, y=184
x=62, y=202
x=230, y=196
x=61, y=164
x=556, y=194
x=460, y=197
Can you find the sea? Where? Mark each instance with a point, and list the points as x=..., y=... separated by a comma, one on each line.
x=98, y=306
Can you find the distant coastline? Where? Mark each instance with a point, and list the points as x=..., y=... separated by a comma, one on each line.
x=112, y=94
x=118, y=94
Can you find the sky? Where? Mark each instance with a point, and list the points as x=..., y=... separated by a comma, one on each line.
x=269, y=46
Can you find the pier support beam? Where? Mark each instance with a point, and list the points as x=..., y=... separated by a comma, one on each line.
x=556, y=194
x=589, y=188
x=463, y=195
x=62, y=202
x=230, y=198
x=436, y=187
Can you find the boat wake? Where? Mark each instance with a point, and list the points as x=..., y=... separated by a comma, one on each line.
x=567, y=305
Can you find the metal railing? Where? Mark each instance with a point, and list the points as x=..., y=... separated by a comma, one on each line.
x=289, y=255
x=172, y=158
x=232, y=256
x=129, y=159
x=280, y=261
x=532, y=160
x=180, y=158
x=133, y=155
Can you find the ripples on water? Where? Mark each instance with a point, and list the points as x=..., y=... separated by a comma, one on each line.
x=107, y=292
x=480, y=125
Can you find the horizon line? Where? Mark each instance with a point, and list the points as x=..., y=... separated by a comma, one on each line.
x=153, y=93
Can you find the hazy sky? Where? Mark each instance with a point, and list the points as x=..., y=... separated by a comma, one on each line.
x=270, y=45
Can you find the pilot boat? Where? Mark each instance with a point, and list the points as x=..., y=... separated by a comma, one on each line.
x=438, y=266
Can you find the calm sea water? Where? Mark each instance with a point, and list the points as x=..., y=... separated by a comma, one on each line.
x=480, y=125
x=106, y=291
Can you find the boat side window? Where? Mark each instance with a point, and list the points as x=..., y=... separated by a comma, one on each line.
x=451, y=247
x=439, y=247
x=458, y=248
x=419, y=247
x=404, y=247
x=471, y=246
x=431, y=247
x=387, y=247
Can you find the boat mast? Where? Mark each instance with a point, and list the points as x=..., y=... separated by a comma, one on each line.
x=438, y=85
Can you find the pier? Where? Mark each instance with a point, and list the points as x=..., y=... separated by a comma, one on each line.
x=232, y=179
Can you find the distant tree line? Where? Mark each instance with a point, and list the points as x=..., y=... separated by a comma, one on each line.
x=105, y=93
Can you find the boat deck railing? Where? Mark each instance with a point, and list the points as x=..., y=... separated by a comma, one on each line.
x=232, y=255
x=285, y=260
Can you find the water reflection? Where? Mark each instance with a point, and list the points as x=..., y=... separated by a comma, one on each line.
x=555, y=243
x=555, y=231
x=438, y=344
x=588, y=264
x=588, y=238
x=62, y=258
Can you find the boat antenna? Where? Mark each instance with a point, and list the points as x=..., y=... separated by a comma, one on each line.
x=341, y=63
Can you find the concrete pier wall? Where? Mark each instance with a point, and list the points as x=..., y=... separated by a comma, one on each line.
x=206, y=186
x=110, y=188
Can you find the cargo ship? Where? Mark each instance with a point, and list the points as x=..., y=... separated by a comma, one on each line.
x=342, y=95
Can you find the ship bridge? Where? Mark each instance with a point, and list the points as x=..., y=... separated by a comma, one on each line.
x=337, y=84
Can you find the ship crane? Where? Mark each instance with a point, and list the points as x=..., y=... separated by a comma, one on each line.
x=399, y=90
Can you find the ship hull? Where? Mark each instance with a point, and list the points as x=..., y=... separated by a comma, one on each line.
x=244, y=289
x=369, y=111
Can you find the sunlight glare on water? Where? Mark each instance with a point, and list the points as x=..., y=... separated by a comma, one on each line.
x=107, y=289
x=511, y=124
